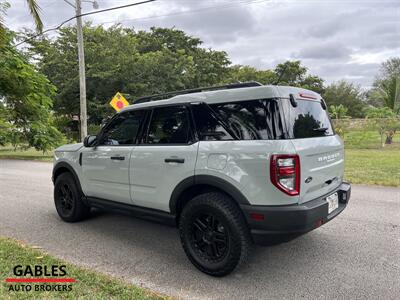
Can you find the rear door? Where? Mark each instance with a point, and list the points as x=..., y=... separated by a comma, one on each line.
x=165, y=156
x=321, y=151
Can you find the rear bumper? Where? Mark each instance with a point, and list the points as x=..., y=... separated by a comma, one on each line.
x=293, y=219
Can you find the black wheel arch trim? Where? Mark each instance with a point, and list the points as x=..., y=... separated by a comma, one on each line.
x=210, y=180
x=63, y=164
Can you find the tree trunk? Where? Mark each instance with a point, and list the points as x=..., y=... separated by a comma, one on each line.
x=389, y=137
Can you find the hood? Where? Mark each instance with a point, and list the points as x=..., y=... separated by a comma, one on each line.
x=69, y=147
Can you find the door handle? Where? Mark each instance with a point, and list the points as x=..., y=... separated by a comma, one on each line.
x=117, y=157
x=174, y=160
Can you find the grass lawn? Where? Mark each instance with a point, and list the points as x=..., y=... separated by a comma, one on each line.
x=381, y=167
x=367, y=140
x=367, y=162
x=88, y=285
x=30, y=154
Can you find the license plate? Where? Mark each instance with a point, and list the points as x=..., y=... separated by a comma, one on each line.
x=333, y=202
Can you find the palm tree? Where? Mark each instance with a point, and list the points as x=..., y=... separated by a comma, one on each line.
x=34, y=9
x=3, y=8
x=389, y=91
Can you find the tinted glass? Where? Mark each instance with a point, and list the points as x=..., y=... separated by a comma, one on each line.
x=252, y=120
x=274, y=118
x=307, y=120
x=168, y=125
x=208, y=127
x=123, y=129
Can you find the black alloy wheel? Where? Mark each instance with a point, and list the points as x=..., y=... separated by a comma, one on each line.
x=209, y=237
x=214, y=234
x=68, y=199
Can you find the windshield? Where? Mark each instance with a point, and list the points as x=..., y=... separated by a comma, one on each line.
x=307, y=120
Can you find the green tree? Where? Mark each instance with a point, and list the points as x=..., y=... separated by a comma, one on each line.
x=26, y=99
x=122, y=59
x=239, y=73
x=294, y=74
x=346, y=94
x=3, y=8
x=390, y=68
x=290, y=73
x=338, y=111
x=385, y=121
x=386, y=87
x=34, y=10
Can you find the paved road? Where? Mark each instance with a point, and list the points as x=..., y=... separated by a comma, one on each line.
x=356, y=256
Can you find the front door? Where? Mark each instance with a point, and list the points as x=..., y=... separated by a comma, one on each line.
x=165, y=156
x=106, y=167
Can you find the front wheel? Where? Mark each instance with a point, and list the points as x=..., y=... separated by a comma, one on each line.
x=214, y=234
x=68, y=199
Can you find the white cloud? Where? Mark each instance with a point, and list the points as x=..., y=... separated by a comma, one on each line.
x=335, y=39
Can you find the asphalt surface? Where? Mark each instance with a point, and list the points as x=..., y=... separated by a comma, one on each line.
x=356, y=256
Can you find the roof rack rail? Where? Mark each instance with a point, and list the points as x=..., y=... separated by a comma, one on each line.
x=196, y=90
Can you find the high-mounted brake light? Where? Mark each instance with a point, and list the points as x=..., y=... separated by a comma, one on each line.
x=285, y=173
x=307, y=96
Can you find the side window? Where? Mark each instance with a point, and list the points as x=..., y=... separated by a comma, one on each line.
x=275, y=119
x=123, y=129
x=247, y=119
x=207, y=126
x=168, y=125
x=252, y=119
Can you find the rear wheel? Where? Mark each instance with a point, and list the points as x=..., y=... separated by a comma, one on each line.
x=68, y=199
x=214, y=234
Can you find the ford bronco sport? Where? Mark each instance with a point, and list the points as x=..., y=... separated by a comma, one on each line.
x=228, y=165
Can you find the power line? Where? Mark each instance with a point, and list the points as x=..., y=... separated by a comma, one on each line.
x=82, y=15
x=244, y=2
x=247, y=2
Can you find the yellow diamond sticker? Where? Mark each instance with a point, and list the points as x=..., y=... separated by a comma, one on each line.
x=118, y=102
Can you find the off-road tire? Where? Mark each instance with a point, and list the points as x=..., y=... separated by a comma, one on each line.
x=77, y=211
x=234, y=227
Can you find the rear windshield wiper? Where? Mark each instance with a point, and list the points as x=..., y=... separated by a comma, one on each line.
x=321, y=129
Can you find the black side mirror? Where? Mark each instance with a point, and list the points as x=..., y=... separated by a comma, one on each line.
x=90, y=140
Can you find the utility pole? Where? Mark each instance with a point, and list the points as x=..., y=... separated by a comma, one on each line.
x=82, y=75
x=81, y=52
x=81, y=58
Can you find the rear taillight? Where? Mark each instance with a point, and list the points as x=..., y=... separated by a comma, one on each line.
x=285, y=173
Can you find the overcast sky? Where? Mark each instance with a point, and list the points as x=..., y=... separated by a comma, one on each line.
x=335, y=39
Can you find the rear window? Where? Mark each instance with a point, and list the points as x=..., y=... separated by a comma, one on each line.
x=307, y=120
x=252, y=120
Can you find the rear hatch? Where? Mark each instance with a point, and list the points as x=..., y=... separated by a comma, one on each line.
x=320, y=151
x=321, y=166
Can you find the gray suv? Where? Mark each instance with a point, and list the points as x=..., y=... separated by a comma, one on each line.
x=229, y=166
